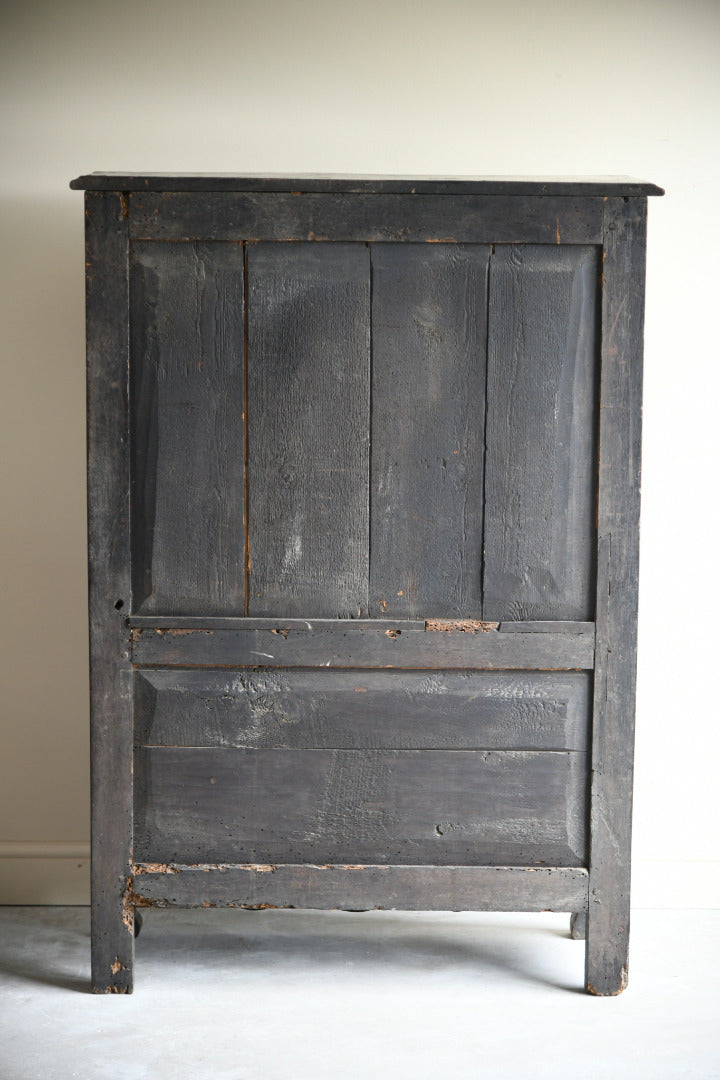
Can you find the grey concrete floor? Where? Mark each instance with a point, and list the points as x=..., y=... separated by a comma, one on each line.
x=290, y=995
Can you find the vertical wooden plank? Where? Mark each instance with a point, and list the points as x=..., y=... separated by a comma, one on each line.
x=608, y=922
x=109, y=591
x=308, y=428
x=429, y=321
x=540, y=464
x=187, y=375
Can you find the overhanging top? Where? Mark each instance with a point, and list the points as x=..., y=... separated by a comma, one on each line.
x=613, y=186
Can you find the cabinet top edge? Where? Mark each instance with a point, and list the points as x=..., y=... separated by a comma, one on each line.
x=612, y=186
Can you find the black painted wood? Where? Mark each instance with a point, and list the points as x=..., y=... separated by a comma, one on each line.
x=279, y=217
x=414, y=888
x=437, y=185
x=350, y=643
x=364, y=648
x=608, y=923
x=578, y=925
x=308, y=427
x=187, y=400
x=493, y=808
x=540, y=474
x=362, y=709
x=109, y=592
x=210, y=622
x=429, y=316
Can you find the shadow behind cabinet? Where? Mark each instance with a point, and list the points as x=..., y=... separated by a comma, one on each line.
x=363, y=503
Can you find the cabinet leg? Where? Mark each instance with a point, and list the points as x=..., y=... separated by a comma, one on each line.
x=112, y=943
x=578, y=925
x=606, y=952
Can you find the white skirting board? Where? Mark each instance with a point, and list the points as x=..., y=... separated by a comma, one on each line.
x=50, y=873
x=44, y=873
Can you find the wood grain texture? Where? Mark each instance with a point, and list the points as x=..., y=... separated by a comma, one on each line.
x=211, y=622
x=364, y=648
x=286, y=751
x=199, y=622
x=112, y=942
x=353, y=710
x=429, y=314
x=308, y=429
x=501, y=808
x=187, y=362
x=540, y=460
x=411, y=888
x=365, y=218
x=608, y=923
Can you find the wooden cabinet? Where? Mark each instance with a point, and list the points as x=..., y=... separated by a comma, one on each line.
x=364, y=463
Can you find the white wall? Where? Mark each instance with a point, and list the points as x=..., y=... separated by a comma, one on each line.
x=460, y=87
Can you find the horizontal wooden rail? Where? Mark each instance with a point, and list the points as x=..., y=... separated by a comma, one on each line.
x=279, y=216
x=229, y=622
x=415, y=888
x=374, y=644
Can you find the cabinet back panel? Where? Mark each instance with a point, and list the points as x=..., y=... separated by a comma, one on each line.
x=429, y=328
x=507, y=808
x=340, y=709
x=187, y=362
x=308, y=428
x=540, y=488
x=403, y=457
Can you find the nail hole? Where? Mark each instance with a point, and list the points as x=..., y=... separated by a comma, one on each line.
x=626, y=198
x=119, y=605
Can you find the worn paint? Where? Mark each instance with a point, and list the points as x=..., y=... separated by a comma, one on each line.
x=611, y=993
x=179, y=216
x=467, y=626
x=154, y=868
x=176, y=868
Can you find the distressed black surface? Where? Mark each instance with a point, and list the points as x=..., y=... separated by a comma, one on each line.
x=608, y=923
x=376, y=324
x=412, y=888
x=109, y=593
x=451, y=185
x=308, y=429
x=341, y=645
x=267, y=216
x=187, y=378
x=362, y=709
x=495, y=808
x=429, y=332
x=540, y=476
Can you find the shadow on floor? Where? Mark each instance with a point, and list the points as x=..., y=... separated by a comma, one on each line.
x=51, y=946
